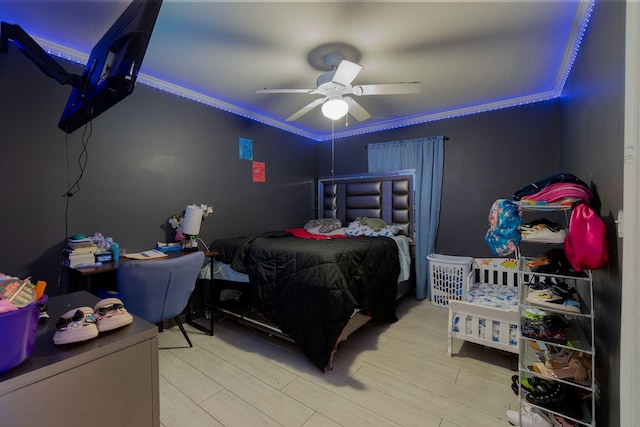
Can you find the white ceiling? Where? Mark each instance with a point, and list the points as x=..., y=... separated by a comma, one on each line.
x=469, y=56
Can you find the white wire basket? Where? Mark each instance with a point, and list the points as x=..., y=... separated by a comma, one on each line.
x=448, y=276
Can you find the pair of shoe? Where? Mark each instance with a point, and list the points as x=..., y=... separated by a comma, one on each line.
x=529, y=417
x=553, y=261
x=544, y=328
x=542, y=233
x=555, y=296
x=565, y=366
x=533, y=417
x=556, y=396
x=85, y=323
x=531, y=385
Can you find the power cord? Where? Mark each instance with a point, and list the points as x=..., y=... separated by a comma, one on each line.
x=205, y=245
x=83, y=158
x=72, y=189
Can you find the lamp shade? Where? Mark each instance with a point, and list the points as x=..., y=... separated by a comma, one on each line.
x=335, y=108
x=192, y=220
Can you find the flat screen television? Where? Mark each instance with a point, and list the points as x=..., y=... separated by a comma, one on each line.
x=112, y=69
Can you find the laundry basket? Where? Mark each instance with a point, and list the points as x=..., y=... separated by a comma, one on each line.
x=448, y=275
x=18, y=334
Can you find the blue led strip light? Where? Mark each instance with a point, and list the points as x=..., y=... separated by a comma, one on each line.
x=583, y=17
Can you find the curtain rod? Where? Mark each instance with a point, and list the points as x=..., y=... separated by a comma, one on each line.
x=444, y=138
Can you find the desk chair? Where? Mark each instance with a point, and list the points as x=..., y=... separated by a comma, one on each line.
x=159, y=289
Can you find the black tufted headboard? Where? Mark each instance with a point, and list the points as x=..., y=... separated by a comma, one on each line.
x=387, y=195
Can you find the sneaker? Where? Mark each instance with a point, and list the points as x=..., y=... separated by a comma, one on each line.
x=544, y=234
x=110, y=314
x=530, y=417
x=531, y=385
x=75, y=326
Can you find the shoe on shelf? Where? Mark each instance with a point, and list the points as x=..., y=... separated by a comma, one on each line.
x=556, y=396
x=531, y=385
x=543, y=234
x=538, y=346
x=543, y=330
x=575, y=369
x=75, y=326
x=528, y=417
x=561, y=422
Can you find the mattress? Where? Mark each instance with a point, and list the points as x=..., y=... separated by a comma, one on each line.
x=223, y=271
x=492, y=295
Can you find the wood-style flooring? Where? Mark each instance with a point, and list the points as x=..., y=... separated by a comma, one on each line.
x=384, y=375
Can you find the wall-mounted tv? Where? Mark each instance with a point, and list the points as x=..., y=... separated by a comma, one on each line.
x=112, y=69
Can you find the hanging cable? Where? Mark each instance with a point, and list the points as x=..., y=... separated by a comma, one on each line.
x=72, y=189
x=83, y=158
x=333, y=154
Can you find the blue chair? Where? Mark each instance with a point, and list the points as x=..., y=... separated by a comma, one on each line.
x=159, y=289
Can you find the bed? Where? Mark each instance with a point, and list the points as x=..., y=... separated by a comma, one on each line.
x=317, y=291
x=488, y=311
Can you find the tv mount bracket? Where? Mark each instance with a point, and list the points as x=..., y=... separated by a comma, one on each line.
x=36, y=54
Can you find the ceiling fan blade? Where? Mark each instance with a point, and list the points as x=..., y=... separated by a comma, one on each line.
x=387, y=89
x=283, y=90
x=346, y=72
x=356, y=110
x=304, y=110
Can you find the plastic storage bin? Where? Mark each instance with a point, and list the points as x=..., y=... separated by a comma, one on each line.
x=448, y=275
x=18, y=334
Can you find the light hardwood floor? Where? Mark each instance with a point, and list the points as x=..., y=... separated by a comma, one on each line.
x=384, y=375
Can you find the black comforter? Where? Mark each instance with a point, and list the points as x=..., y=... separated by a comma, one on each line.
x=310, y=288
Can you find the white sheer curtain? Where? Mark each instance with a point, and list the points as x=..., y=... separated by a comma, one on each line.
x=426, y=157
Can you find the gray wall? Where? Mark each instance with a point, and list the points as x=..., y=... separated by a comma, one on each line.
x=487, y=157
x=148, y=157
x=592, y=137
x=490, y=155
x=154, y=153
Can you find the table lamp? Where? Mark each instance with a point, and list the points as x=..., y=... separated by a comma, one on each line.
x=191, y=225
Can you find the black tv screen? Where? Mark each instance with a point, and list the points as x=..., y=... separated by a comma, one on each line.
x=112, y=69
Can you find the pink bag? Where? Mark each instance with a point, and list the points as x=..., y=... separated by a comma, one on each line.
x=561, y=191
x=586, y=245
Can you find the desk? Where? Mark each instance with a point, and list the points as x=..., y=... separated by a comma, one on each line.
x=81, y=280
x=83, y=383
x=81, y=277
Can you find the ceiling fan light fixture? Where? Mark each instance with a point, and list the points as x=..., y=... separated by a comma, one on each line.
x=335, y=108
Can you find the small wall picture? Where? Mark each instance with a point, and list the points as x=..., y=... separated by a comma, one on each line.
x=259, y=173
x=245, y=147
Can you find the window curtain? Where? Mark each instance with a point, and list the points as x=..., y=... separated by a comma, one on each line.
x=426, y=157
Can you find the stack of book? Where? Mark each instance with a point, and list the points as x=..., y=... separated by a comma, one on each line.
x=80, y=252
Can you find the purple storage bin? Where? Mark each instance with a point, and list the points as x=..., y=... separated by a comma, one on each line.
x=18, y=334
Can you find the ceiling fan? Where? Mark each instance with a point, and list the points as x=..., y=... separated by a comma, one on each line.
x=335, y=86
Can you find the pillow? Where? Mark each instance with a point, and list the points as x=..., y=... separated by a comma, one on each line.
x=324, y=225
x=358, y=229
x=375, y=223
